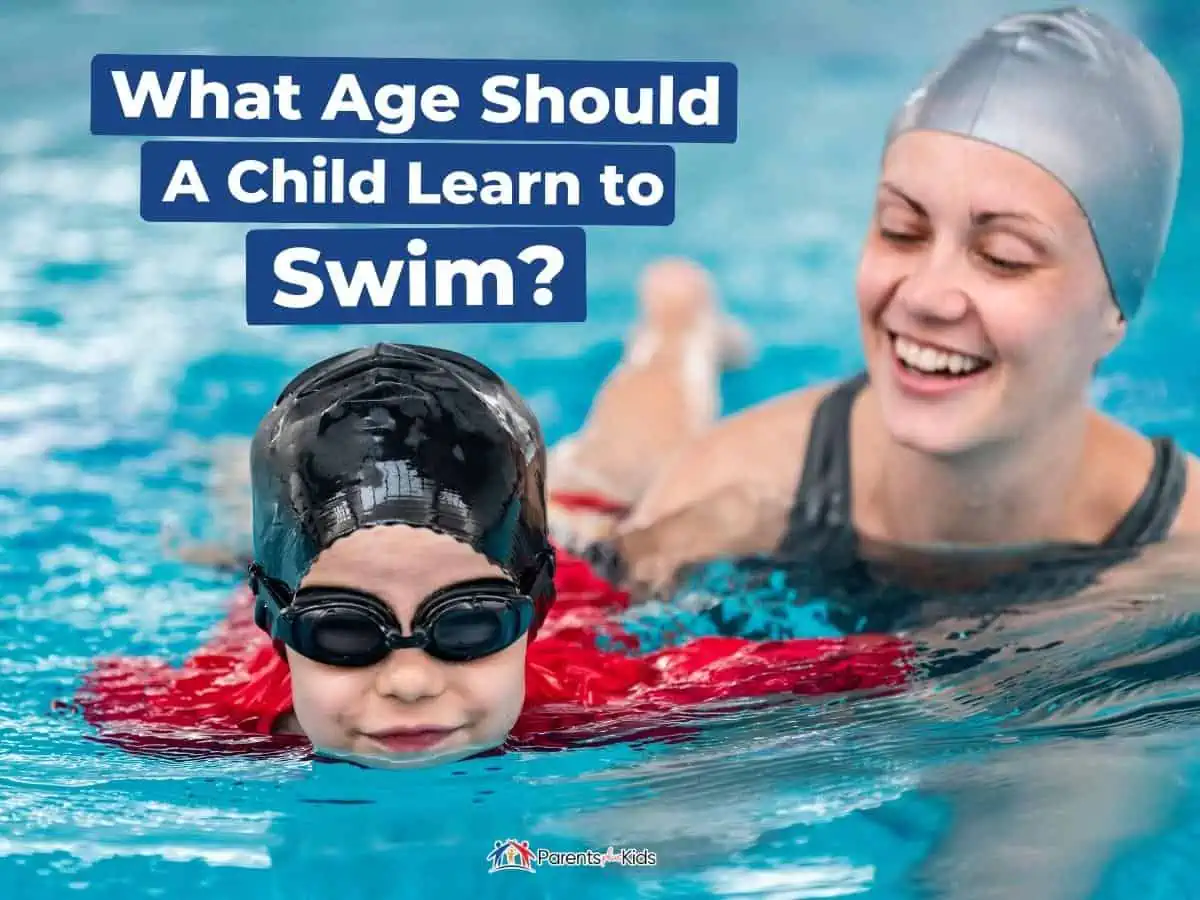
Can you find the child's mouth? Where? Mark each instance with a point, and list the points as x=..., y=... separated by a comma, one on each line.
x=412, y=740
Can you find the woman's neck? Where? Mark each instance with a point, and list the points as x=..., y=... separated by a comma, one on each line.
x=1004, y=493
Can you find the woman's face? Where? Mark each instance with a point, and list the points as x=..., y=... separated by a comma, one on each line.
x=983, y=300
x=409, y=708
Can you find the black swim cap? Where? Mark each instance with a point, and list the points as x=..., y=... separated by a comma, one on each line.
x=402, y=434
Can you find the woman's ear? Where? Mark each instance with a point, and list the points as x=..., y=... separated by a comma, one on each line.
x=1113, y=329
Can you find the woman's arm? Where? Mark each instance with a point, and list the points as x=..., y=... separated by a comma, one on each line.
x=729, y=493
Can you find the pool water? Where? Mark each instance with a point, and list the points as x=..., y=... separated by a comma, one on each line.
x=124, y=357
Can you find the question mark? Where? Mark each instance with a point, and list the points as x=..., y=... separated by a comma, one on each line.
x=552, y=263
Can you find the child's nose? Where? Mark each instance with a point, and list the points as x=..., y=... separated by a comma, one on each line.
x=410, y=675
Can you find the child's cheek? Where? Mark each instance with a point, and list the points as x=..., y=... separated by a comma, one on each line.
x=501, y=691
x=323, y=705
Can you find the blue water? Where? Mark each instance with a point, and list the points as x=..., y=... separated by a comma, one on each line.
x=124, y=356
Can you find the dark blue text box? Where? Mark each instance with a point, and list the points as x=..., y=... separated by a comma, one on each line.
x=647, y=173
x=435, y=275
x=423, y=99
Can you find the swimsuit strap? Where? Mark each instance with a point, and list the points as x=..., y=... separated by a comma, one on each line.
x=821, y=509
x=1153, y=513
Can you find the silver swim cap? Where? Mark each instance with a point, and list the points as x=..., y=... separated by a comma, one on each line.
x=1089, y=104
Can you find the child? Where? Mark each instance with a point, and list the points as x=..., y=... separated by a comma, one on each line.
x=403, y=566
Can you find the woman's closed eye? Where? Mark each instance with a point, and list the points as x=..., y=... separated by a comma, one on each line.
x=898, y=236
x=1007, y=253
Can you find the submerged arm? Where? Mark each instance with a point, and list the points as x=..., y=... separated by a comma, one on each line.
x=1078, y=775
x=230, y=494
x=1043, y=821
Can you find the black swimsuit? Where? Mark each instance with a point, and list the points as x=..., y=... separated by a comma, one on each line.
x=823, y=496
x=821, y=532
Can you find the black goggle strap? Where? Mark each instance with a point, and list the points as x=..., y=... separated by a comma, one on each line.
x=537, y=582
x=271, y=597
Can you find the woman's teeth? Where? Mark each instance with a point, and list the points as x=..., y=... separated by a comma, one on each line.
x=935, y=362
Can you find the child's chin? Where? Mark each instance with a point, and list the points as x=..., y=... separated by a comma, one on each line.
x=378, y=759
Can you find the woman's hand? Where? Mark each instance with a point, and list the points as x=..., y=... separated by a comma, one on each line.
x=734, y=519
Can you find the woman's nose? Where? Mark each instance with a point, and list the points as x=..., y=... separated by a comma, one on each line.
x=935, y=287
x=410, y=675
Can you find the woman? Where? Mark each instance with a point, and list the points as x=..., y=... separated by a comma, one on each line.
x=1025, y=196
x=402, y=567
x=1024, y=200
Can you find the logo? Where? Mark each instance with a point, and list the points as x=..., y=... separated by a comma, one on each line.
x=510, y=856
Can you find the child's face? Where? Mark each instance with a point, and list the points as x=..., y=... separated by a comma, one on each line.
x=411, y=707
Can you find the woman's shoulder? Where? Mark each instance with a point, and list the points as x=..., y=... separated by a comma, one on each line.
x=762, y=443
x=754, y=453
x=787, y=414
x=1141, y=469
x=1187, y=522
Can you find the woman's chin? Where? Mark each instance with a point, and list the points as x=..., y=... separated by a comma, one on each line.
x=932, y=433
x=943, y=427
x=942, y=447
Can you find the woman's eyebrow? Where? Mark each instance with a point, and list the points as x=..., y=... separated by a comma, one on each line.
x=916, y=207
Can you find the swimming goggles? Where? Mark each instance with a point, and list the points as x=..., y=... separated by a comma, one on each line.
x=344, y=627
